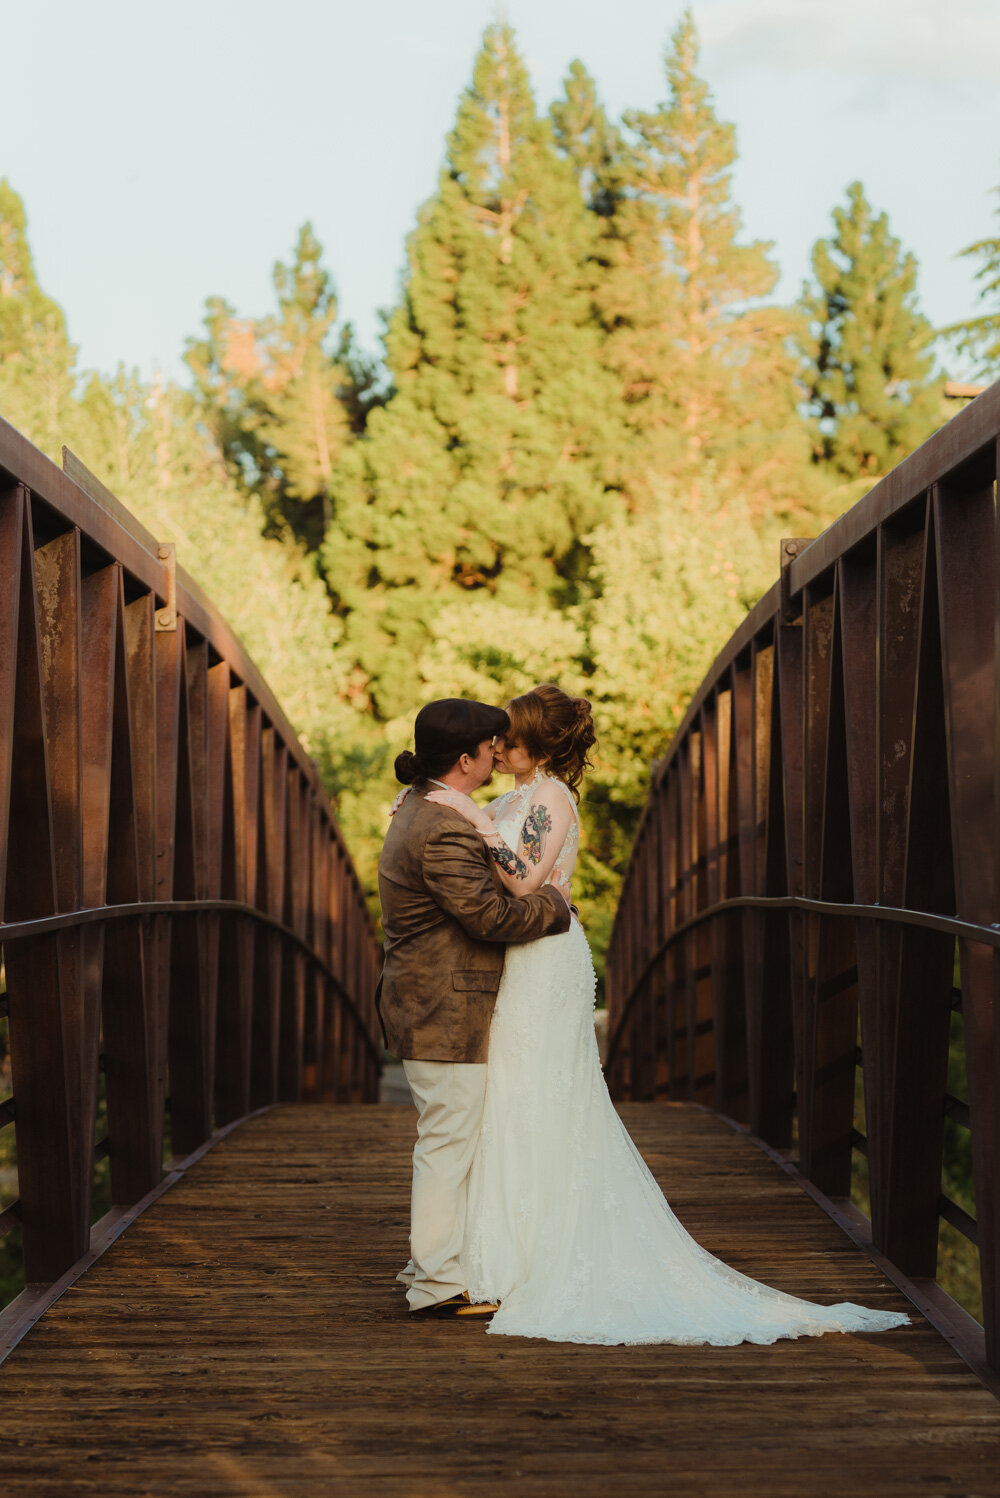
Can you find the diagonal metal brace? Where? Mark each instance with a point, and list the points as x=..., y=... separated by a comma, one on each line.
x=166, y=551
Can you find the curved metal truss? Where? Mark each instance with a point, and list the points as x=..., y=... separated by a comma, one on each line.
x=177, y=907
x=818, y=860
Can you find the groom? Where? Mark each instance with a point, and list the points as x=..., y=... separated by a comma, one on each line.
x=446, y=917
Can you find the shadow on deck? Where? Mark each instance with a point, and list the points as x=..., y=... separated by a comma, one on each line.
x=246, y=1336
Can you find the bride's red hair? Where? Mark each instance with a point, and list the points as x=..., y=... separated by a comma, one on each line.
x=551, y=725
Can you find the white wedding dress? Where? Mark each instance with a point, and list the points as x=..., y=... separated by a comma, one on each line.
x=566, y=1227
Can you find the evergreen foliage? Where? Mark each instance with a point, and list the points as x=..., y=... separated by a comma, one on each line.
x=493, y=458
x=979, y=337
x=869, y=370
x=670, y=584
x=36, y=356
x=306, y=424
x=285, y=393
x=706, y=366
x=149, y=445
x=586, y=137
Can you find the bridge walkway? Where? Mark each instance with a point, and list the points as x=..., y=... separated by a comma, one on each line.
x=245, y=1337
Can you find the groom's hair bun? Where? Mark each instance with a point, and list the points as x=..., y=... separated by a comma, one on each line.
x=409, y=768
x=551, y=725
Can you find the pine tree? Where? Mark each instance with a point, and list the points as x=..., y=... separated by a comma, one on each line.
x=869, y=371
x=306, y=423
x=979, y=337
x=37, y=360
x=364, y=389
x=284, y=393
x=706, y=367
x=492, y=460
x=587, y=138
x=227, y=371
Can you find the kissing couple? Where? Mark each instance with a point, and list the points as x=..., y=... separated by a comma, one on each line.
x=531, y=1207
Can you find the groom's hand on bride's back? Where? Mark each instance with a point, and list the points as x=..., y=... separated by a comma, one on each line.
x=572, y=908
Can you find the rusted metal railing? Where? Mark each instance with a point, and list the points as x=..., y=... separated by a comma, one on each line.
x=177, y=907
x=821, y=835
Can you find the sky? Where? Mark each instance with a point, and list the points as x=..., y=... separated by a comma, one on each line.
x=169, y=153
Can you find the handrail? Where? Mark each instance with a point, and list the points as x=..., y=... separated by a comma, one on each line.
x=177, y=906
x=102, y=914
x=822, y=833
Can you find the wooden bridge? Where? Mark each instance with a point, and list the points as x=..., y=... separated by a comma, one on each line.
x=187, y=951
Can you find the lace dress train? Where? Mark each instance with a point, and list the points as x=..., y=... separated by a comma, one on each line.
x=566, y=1227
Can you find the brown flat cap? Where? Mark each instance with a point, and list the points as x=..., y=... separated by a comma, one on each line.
x=453, y=724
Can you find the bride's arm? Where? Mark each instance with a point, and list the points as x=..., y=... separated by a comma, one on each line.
x=527, y=866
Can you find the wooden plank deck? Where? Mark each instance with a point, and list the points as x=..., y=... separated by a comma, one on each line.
x=245, y=1336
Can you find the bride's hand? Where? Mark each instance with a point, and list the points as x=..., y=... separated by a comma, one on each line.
x=465, y=806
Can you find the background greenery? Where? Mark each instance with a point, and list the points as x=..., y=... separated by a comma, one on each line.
x=590, y=426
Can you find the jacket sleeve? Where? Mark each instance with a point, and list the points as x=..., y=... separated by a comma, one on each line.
x=459, y=879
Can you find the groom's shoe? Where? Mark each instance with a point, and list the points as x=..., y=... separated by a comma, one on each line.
x=453, y=1307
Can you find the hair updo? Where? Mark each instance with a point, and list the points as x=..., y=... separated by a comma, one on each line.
x=550, y=725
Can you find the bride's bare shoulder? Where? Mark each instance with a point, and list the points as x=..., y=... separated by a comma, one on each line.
x=554, y=794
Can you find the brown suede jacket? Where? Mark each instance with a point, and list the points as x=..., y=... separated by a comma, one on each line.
x=447, y=917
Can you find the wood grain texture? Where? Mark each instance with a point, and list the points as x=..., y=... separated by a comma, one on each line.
x=246, y=1336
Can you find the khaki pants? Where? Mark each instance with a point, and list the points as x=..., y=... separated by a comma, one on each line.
x=449, y=1096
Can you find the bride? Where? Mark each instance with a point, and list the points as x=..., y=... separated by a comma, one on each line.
x=566, y=1227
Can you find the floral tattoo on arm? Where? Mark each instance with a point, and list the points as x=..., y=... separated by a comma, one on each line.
x=537, y=824
x=506, y=859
